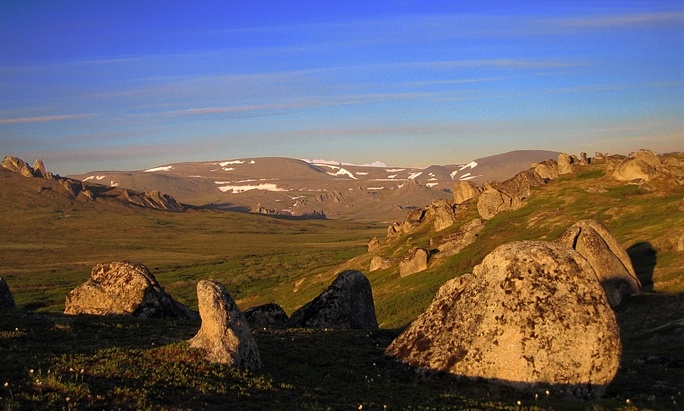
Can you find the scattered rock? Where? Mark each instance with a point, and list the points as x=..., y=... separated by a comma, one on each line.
x=6, y=299
x=346, y=303
x=443, y=213
x=267, y=316
x=548, y=169
x=583, y=161
x=225, y=332
x=509, y=195
x=374, y=244
x=565, y=163
x=531, y=315
x=39, y=169
x=455, y=242
x=124, y=288
x=610, y=261
x=464, y=191
x=380, y=263
x=641, y=165
x=414, y=261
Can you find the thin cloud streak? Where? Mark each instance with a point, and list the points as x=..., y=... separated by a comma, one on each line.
x=43, y=119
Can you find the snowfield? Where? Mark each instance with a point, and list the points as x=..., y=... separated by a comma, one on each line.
x=162, y=168
x=242, y=188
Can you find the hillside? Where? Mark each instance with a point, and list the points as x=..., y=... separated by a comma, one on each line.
x=50, y=242
x=314, y=188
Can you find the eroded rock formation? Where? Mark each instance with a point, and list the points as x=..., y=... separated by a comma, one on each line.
x=641, y=165
x=610, y=261
x=464, y=191
x=509, y=195
x=414, y=261
x=225, y=334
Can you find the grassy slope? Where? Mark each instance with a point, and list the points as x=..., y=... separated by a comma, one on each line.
x=129, y=363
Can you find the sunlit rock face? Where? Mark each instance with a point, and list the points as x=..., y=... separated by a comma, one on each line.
x=531, y=315
x=606, y=256
x=225, y=334
x=641, y=165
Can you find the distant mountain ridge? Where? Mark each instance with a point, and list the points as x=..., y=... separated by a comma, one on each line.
x=315, y=188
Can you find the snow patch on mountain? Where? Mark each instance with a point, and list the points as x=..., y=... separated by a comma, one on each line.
x=162, y=168
x=470, y=165
x=414, y=175
x=94, y=178
x=242, y=188
x=394, y=170
x=320, y=162
x=225, y=163
x=340, y=171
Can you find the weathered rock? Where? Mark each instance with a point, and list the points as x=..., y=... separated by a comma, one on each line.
x=39, y=169
x=225, y=332
x=610, y=261
x=374, y=244
x=156, y=199
x=583, y=159
x=464, y=191
x=598, y=156
x=415, y=260
x=346, y=303
x=267, y=316
x=531, y=315
x=680, y=243
x=380, y=263
x=124, y=288
x=565, y=163
x=509, y=195
x=458, y=240
x=17, y=165
x=6, y=298
x=442, y=212
x=548, y=169
x=641, y=165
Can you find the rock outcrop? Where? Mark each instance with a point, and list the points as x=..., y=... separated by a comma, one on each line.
x=610, y=261
x=347, y=303
x=6, y=298
x=464, y=191
x=548, y=170
x=380, y=263
x=124, y=288
x=225, y=334
x=455, y=242
x=442, y=212
x=267, y=316
x=414, y=261
x=509, y=195
x=566, y=163
x=641, y=165
x=17, y=165
x=531, y=315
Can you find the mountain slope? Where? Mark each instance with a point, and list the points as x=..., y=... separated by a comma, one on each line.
x=292, y=187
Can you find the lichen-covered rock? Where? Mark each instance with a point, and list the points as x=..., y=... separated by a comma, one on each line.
x=442, y=212
x=610, y=261
x=6, y=299
x=531, y=315
x=565, y=163
x=380, y=263
x=509, y=195
x=414, y=261
x=455, y=242
x=641, y=165
x=548, y=169
x=267, y=316
x=346, y=304
x=225, y=334
x=464, y=191
x=374, y=244
x=124, y=288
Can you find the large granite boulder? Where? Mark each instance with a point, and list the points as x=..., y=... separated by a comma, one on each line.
x=225, y=334
x=267, y=316
x=442, y=212
x=566, y=163
x=641, y=165
x=124, y=288
x=531, y=315
x=380, y=263
x=6, y=298
x=610, y=261
x=414, y=261
x=346, y=303
x=509, y=195
x=464, y=191
x=548, y=169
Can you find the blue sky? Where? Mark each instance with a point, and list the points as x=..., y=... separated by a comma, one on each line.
x=98, y=85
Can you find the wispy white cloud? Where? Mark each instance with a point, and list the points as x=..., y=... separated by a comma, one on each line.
x=623, y=20
x=43, y=119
